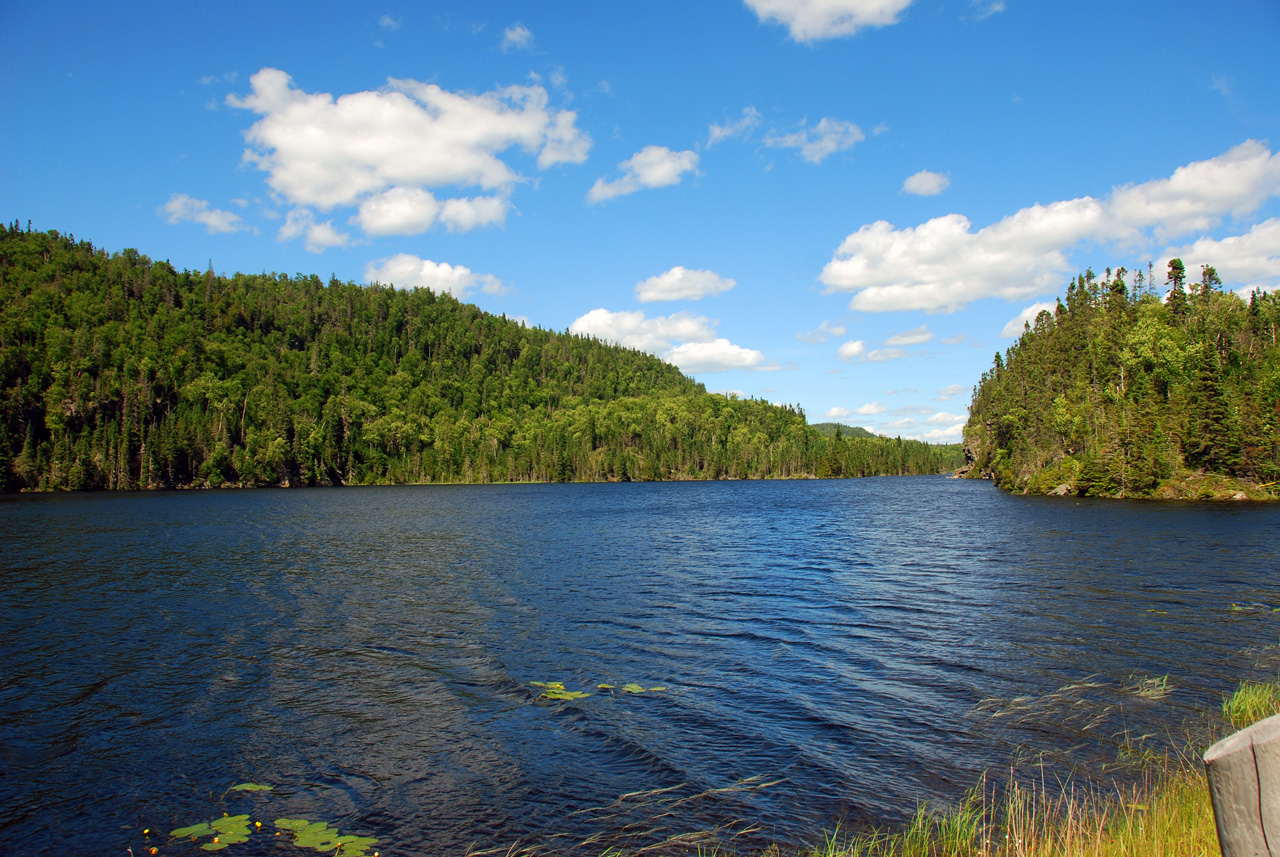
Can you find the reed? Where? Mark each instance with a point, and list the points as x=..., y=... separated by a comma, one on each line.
x=1251, y=702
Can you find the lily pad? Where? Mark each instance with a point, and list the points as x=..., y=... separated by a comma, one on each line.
x=201, y=829
x=633, y=688
x=251, y=787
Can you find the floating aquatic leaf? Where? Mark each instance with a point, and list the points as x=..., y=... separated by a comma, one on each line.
x=291, y=823
x=251, y=787
x=558, y=693
x=605, y=686
x=633, y=688
x=656, y=689
x=200, y=829
x=231, y=823
x=214, y=846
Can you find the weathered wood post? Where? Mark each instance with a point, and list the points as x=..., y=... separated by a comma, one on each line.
x=1244, y=783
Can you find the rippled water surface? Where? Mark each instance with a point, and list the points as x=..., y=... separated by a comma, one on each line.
x=829, y=650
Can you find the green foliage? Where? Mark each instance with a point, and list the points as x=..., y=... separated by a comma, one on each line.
x=225, y=831
x=120, y=373
x=319, y=836
x=1250, y=702
x=1120, y=394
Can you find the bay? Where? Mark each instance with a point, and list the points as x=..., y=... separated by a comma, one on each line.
x=828, y=651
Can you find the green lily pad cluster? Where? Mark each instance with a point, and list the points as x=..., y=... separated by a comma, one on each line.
x=228, y=830
x=321, y=837
x=556, y=690
x=235, y=829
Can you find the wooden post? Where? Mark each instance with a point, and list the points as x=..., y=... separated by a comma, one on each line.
x=1244, y=783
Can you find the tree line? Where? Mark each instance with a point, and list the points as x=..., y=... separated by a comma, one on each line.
x=121, y=373
x=1118, y=392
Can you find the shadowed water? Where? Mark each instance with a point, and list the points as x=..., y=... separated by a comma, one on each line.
x=830, y=650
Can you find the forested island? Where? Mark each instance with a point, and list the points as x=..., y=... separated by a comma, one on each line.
x=1120, y=393
x=121, y=373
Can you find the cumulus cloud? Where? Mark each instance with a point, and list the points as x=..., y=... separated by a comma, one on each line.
x=323, y=152
x=926, y=183
x=398, y=211
x=871, y=409
x=408, y=271
x=884, y=355
x=947, y=392
x=651, y=167
x=318, y=236
x=817, y=143
x=182, y=209
x=823, y=332
x=916, y=336
x=680, y=283
x=687, y=340
x=1251, y=260
x=516, y=36
x=941, y=418
x=837, y=413
x=943, y=265
x=811, y=20
x=1027, y=316
x=742, y=127
x=718, y=355
x=851, y=350
x=464, y=214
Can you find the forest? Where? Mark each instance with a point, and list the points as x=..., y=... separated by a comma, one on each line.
x=118, y=372
x=1119, y=392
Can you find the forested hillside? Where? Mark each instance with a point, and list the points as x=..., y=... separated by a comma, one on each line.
x=1120, y=393
x=117, y=372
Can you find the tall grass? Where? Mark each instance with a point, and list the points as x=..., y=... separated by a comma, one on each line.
x=1251, y=702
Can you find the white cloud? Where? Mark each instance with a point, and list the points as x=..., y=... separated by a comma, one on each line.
x=680, y=283
x=837, y=413
x=987, y=8
x=651, y=167
x=871, y=409
x=323, y=152
x=750, y=119
x=301, y=223
x=719, y=355
x=463, y=215
x=182, y=208
x=823, y=332
x=398, y=211
x=408, y=271
x=899, y=425
x=634, y=330
x=1196, y=196
x=941, y=418
x=810, y=20
x=815, y=144
x=947, y=392
x=687, y=340
x=916, y=336
x=926, y=183
x=943, y=265
x=952, y=434
x=386, y=22
x=851, y=350
x=1015, y=325
x=884, y=355
x=516, y=36
x=1251, y=260
x=955, y=340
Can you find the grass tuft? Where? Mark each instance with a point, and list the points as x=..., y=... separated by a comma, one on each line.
x=1251, y=702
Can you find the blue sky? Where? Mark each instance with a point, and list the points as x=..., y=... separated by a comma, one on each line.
x=847, y=205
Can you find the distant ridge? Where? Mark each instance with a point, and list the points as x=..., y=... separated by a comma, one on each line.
x=122, y=373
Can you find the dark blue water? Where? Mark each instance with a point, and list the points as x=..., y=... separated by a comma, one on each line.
x=830, y=650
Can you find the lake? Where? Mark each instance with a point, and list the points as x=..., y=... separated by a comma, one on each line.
x=827, y=651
